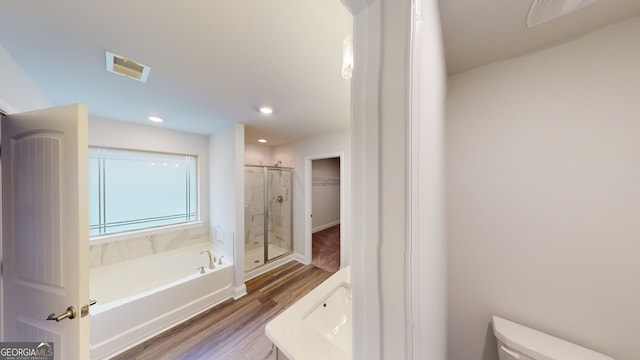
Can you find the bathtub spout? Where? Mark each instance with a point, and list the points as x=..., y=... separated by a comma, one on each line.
x=211, y=265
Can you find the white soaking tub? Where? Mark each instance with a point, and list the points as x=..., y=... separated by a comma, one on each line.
x=140, y=299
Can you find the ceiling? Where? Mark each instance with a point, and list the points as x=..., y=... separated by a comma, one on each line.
x=481, y=32
x=214, y=63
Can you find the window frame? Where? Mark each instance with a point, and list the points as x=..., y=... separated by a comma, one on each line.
x=154, y=229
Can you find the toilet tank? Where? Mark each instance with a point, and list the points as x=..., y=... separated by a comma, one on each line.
x=518, y=342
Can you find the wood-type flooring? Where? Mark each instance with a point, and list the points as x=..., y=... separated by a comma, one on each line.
x=234, y=329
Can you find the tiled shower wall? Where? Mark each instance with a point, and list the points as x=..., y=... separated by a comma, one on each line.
x=253, y=208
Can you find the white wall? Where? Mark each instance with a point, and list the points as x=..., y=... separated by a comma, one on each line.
x=257, y=155
x=18, y=92
x=227, y=196
x=294, y=155
x=398, y=270
x=428, y=272
x=365, y=238
x=543, y=172
x=125, y=135
x=325, y=194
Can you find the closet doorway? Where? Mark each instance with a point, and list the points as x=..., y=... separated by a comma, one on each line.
x=325, y=215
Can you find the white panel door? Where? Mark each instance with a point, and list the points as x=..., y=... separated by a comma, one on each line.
x=45, y=228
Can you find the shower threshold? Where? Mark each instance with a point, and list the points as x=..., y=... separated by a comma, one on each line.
x=254, y=258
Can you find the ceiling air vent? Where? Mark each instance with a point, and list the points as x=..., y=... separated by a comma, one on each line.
x=121, y=65
x=546, y=10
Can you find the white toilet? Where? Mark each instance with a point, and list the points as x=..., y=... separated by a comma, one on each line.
x=517, y=342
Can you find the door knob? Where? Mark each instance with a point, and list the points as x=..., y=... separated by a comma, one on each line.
x=69, y=314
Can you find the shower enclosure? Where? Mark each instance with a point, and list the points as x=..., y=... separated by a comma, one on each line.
x=268, y=214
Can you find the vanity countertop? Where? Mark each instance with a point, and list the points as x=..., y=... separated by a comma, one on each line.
x=296, y=339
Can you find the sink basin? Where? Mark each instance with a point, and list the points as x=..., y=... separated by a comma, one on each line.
x=331, y=317
x=318, y=326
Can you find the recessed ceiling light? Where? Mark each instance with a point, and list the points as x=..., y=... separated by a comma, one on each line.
x=266, y=110
x=156, y=119
x=262, y=140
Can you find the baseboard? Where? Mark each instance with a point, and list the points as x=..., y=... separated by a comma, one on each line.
x=325, y=226
x=301, y=259
x=239, y=292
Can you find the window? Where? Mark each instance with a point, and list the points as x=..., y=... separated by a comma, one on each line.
x=132, y=190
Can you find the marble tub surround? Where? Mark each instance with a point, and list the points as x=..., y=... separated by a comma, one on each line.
x=295, y=338
x=224, y=240
x=132, y=246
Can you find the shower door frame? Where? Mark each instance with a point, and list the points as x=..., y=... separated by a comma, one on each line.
x=267, y=212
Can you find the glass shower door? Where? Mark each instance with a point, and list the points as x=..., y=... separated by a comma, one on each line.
x=267, y=214
x=279, y=215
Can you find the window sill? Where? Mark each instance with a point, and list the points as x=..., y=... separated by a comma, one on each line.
x=104, y=239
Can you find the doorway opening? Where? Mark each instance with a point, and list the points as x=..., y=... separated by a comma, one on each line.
x=325, y=212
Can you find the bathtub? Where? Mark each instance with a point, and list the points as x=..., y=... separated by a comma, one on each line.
x=140, y=299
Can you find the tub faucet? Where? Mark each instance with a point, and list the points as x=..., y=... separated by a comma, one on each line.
x=211, y=266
